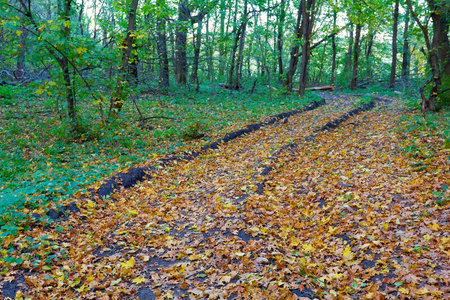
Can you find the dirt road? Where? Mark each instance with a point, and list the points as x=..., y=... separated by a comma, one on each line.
x=297, y=209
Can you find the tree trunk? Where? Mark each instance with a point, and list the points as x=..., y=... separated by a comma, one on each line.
x=295, y=48
x=222, y=51
x=441, y=21
x=355, y=57
x=369, y=51
x=281, y=19
x=119, y=95
x=80, y=18
x=322, y=60
x=64, y=64
x=197, y=44
x=233, y=79
x=333, y=46
x=161, y=46
x=210, y=42
x=240, y=59
x=180, y=41
x=307, y=25
x=394, y=46
x=348, y=55
x=406, y=59
x=429, y=104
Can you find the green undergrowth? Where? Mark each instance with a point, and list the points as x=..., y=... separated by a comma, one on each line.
x=422, y=137
x=43, y=161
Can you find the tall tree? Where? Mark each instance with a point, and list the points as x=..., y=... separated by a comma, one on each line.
x=197, y=44
x=333, y=45
x=180, y=42
x=437, y=51
x=406, y=53
x=125, y=72
x=348, y=55
x=280, y=33
x=394, y=46
x=185, y=20
x=307, y=25
x=356, y=57
x=163, y=81
x=238, y=47
x=295, y=48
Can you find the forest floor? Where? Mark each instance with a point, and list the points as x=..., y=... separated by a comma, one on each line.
x=324, y=204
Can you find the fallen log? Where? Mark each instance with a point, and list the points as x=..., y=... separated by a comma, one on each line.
x=330, y=88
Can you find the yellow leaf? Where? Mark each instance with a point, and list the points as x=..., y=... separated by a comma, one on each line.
x=403, y=291
x=67, y=24
x=423, y=291
x=332, y=230
x=435, y=226
x=82, y=288
x=348, y=254
x=139, y=280
x=385, y=226
x=308, y=248
x=195, y=257
x=128, y=264
x=18, y=32
x=81, y=50
x=427, y=237
x=132, y=212
x=295, y=241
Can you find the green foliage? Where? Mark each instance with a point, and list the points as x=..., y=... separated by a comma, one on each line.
x=419, y=149
x=439, y=196
x=193, y=130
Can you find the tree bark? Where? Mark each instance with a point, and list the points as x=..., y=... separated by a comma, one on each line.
x=307, y=25
x=80, y=18
x=222, y=51
x=441, y=21
x=429, y=104
x=233, y=79
x=348, y=55
x=240, y=60
x=369, y=51
x=295, y=48
x=355, y=57
x=281, y=19
x=64, y=64
x=333, y=46
x=180, y=43
x=406, y=60
x=161, y=46
x=119, y=95
x=184, y=16
x=394, y=46
x=197, y=44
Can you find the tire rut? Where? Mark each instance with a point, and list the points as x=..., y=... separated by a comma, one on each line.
x=183, y=220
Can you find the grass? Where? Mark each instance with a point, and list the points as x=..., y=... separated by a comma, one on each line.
x=42, y=162
x=423, y=137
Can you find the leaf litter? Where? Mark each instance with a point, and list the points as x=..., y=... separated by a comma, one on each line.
x=341, y=215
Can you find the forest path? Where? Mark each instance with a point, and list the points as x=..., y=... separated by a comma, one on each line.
x=281, y=213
